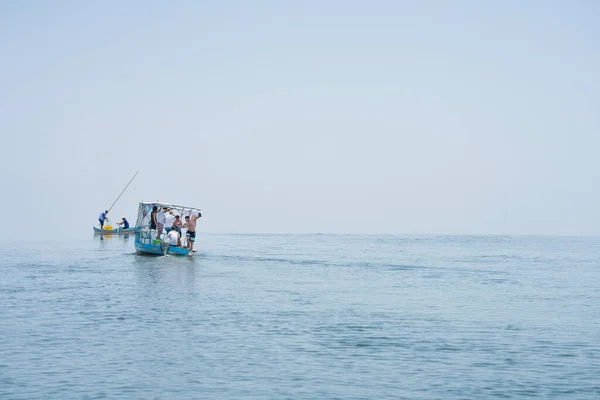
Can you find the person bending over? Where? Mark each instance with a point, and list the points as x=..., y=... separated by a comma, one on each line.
x=174, y=238
x=103, y=217
x=124, y=223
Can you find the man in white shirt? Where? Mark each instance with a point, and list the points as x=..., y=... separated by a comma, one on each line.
x=169, y=219
x=174, y=238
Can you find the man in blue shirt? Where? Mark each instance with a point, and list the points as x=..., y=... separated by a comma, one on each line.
x=102, y=217
x=125, y=223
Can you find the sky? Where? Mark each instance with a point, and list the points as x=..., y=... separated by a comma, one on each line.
x=331, y=116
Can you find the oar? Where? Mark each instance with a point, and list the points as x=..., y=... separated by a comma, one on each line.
x=123, y=191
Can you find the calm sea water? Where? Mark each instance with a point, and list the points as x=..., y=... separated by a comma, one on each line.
x=303, y=317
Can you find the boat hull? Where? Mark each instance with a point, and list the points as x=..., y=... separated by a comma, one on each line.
x=156, y=249
x=118, y=231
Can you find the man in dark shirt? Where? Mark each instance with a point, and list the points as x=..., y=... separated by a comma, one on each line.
x=125, y=223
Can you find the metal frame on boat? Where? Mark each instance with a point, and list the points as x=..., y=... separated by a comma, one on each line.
x=145, y=238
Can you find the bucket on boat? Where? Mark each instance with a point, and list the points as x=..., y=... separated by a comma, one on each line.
x=108, y=228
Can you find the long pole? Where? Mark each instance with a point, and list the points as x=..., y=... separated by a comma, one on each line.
x=123, y=191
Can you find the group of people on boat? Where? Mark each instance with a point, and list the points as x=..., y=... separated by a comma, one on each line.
x=103, y=217
x=166, y=219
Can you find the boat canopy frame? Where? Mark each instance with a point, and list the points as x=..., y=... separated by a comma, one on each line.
x=143, y=233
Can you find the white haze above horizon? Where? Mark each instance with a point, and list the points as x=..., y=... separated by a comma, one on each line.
x=461, y=117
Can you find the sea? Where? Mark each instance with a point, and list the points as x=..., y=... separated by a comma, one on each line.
x=302, y=317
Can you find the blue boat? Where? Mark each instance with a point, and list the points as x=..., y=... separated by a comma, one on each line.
x=160, y=249
x=117, y=231
x=145, y=238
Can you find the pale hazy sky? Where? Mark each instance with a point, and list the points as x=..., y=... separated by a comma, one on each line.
x=303, y=116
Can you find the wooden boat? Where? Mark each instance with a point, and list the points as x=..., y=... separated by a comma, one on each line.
x=161, y=249
x=145, y=238
x=117, y=231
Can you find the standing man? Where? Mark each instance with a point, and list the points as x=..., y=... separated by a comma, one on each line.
x=153, y=217
x=103, y=217
x=190, y=224
x=160, y=221
x=177, y=224
x=169, y=220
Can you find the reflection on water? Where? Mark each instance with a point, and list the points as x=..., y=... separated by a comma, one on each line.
x=124, y=236
x=156, y=275
x=153, y=274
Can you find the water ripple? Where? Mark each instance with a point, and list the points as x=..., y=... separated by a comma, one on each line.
x=303, y=317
